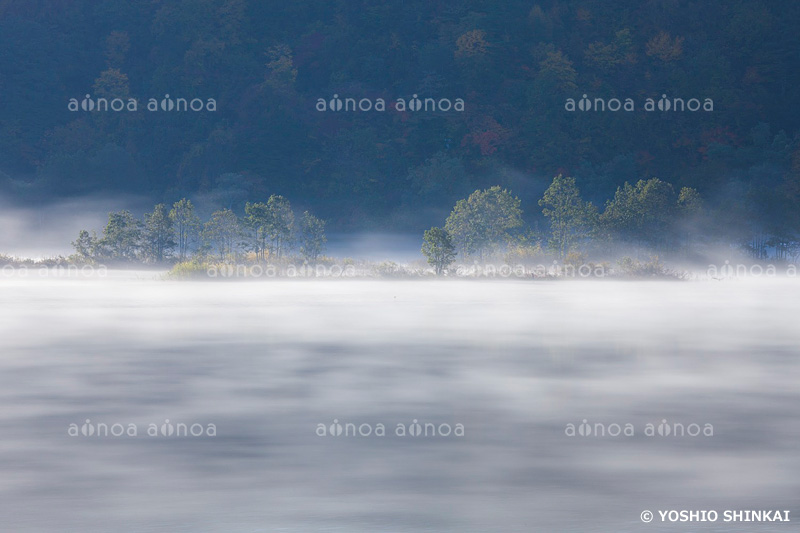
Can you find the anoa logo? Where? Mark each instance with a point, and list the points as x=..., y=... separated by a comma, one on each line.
x=414, y=104
x=167, y=104
x=585, y=103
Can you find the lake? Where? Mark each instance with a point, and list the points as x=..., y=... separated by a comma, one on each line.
x=130, y=403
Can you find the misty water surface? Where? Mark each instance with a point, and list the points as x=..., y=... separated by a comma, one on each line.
x=514, y=362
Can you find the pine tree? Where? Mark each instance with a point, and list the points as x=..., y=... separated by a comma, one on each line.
x=185, y=224
x=158, y=234
x=312, y=236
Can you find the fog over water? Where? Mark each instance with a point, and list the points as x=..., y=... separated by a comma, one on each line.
x=514, y=362
x=46, y=229
x=49, y=229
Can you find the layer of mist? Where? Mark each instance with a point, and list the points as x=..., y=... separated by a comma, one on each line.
x=514, y=362
x=48, y=229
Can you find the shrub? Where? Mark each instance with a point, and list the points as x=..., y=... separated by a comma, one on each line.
x=653, y=268
x=190, y=269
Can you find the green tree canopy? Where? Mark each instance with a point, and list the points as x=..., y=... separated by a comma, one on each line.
x=258, y=221
x=312, y=236
x=281, y=222
x=571, y=219
x=438, y=248
x=186, y=225
x=158, y=235
x=642, y=214
x=484, y=221
x=122, y=236
x=222, y=233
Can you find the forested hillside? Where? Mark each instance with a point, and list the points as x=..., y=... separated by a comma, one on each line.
x=270, y=77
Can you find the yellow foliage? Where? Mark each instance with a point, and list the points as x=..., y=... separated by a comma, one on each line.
x=664, y=47
x=472, y=44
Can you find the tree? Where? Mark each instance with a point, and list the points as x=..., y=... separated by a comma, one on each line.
x=438, y=248
x=281, y=72
x=118, y=44
x=122, y=236
x=690, y=212
x=158, y=234
x=643, y=213
x=281, y=222
x=472, y=43
x=222, y=233
x=185, y=224
x=258, y=220
x=312, y=236
x=484, y=220
x=86, y=246
x=689, y=202
x=571, y=219
x=112, y=84
x=664, y=47
x=556, y=72
x=609, y=56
